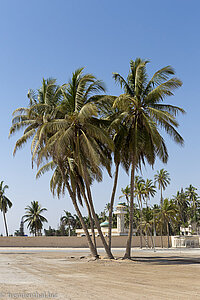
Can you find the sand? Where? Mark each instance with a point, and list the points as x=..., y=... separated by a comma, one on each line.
x=71, y=274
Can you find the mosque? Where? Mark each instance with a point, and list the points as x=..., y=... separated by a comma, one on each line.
x=120, y=230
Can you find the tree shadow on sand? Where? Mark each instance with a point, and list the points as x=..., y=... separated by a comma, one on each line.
x=162, y=260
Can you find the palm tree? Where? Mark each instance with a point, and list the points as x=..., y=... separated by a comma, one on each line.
x=149, y=190
x=182, y=203
x=5, y=203
x=166, y=215
x=147, y=224
x=192, y=196
x=117, y=132
x=126, y=194
x=141, y=111
x=140, y=193
x=45, y=106
x=78, y=143
x=163, y=179
x=34, y=218
x=68, y=219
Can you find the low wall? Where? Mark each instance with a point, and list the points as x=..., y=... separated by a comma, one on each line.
x=73, y=241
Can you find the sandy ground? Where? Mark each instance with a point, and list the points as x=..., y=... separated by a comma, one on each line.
x=71, y=274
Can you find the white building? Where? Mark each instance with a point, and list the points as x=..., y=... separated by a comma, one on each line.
x=120, y=230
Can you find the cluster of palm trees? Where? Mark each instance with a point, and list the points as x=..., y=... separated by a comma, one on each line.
x=183, y=209
x=77, y=130
x=33, y=212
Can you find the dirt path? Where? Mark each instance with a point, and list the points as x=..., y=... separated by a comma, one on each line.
x=63, y=276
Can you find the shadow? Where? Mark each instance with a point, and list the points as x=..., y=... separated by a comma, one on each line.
x=172, y=260
x=16, y=253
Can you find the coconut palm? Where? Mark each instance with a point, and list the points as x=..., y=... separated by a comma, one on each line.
x=79, y=139
x=117, y=131
x=5, y=203
x=150, y=190
x=182, y=203
x=126, y=194
x=166, y=215
x=147, y=224
x=44, y=106
x=34, y=218
x=163, y=179
x=140, y=193
x=68, y=220
x=192, y=196
x=141, y=110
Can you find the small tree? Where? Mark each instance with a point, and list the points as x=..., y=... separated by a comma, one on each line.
x=34, y=218
x=5, y=203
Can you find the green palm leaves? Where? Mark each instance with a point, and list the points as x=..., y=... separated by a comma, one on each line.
x=142, y=112
x=34, y=218
x=75, y=130
x=162, y=179
x=5, y=203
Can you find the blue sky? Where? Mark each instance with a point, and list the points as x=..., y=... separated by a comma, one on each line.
x=52, y=38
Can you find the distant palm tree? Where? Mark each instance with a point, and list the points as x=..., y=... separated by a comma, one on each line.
x=126, y=193
x=163, y=179
x=5, y=203
x=182, y=203
x=149, y=190
x=166, y=215
x=192, y=196
x=34, y=218
x=140, y=193
x=68, y=220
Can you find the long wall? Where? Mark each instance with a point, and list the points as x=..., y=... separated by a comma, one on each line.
x=73, y=241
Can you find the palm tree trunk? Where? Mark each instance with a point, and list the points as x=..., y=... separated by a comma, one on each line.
x=146, y=239
x=140, y=224
x=168, y=235
x=89, y=214
x=90, y=244
x=108, y=251
x=111, y=205
x=6, y=227
x=161, y=237
x=130, y=233
x=152, y=239
x=161, y=197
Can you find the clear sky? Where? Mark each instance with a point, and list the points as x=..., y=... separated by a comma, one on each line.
x=45, y=38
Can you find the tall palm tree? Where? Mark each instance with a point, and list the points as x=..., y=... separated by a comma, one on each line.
x=78, y=139
x=5, y=203
x=163, y=179
x=141, y=111
x=45, y=106
x=34, y=218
